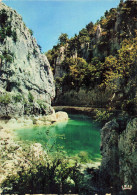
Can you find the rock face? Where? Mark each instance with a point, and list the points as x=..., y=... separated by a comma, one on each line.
x=128, y=154
x=109, y=151
x=24, y=72
x=58, y=68
x=119, y=154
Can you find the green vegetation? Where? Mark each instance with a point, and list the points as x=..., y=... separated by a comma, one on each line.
x=28, y=56
x=6, y=28
x=58, y=175
x=123, y=66
x=31, y=32
x=7, y=56
x=102, y=56
x=100, y=65
x=30, y=97
x=52, y=170
x=8, y=97
x=103, y=115
x=34, y=52
x=63, y=38
x=5, y=98
x=42, y=104
x=14, y=35
x=18, y=98
x=39, y=47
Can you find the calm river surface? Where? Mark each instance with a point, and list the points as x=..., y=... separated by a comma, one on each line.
x=79, y=136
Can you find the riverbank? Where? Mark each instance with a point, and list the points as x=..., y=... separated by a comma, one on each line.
x=24, y=166
x=30, y=121
x=19, y=157
x=16, y=154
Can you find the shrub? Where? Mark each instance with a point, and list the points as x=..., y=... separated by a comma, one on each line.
x=8, y=58
x=83, y=157
x=2, y=57
x=40, y=47
x=8, y=31
x=28, y=56
x=5, y=29
x=42, y=104
x=3, y=17
x=103, y=115
x=17, y=98
x=30, y=97
x=14, y=35
x=34, y=52
x=56, y=176
x=129, y=106
x=31, y=32
x=5, y=98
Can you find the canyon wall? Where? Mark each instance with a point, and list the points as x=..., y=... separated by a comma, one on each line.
x=26, y=80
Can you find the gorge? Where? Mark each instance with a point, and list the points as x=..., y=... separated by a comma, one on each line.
x=96, y=68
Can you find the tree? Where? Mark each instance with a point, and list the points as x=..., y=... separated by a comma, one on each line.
x=89, y=27
x=123, y=66
x=78, y=71
x=84, y=36
x=63, y=38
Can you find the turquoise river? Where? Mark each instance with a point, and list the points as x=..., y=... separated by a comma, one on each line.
x=77, y=137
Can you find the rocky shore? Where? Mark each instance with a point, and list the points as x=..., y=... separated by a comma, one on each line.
x=29, y=121
x=16, y=155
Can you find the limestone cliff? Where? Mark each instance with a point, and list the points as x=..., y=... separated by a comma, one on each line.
x=128, y=154
x=119, y=154
x=26, y=80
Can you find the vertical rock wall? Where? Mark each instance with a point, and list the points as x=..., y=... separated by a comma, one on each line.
x=119, y=154
x=24, y=71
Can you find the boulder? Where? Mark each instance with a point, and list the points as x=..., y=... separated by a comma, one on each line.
x=61, y=116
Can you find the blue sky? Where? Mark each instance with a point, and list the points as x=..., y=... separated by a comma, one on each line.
x=48, y=19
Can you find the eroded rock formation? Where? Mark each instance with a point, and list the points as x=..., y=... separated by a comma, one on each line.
x=26, y=80
x=119, y=154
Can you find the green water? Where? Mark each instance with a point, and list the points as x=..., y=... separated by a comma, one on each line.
x=78, y=136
